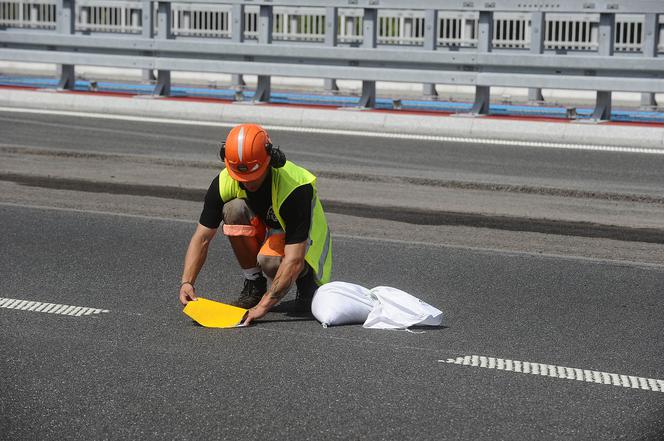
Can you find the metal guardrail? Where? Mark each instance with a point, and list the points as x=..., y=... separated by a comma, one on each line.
x=563, y=31
x=538, y=44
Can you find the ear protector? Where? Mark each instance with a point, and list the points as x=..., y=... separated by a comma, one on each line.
x=277, y=157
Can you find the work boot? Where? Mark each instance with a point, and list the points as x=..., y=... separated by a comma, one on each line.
x=252, y=292
x=306, y=288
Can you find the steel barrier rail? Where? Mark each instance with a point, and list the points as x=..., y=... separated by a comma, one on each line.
x=511, y=30
x=485, y=67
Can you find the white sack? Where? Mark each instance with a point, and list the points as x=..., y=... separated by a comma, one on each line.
x=383, y=307
x=341, y=303
x=396, y=309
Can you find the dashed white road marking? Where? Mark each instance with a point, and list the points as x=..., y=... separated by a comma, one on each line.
x=553, y=371
x=372, y=134
x=49, y=308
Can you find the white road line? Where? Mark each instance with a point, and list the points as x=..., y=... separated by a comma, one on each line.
x=434, y=138
x=49, y=308
x=13, y=304
x=563, y=372
x=364, y=238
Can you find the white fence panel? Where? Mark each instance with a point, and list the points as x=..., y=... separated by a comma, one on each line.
x=562, y=32
x=32, y=14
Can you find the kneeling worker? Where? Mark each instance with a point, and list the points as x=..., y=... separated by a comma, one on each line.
x=274, y=221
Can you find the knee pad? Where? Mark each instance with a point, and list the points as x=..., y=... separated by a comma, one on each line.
x=239, y=230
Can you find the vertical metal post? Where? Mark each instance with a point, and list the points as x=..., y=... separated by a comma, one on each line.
x=650, y=43
x=147, y=23
x=163, y=86
x=537, y=48
x=66, y=24
x=370, y=29
x=265, y=24
x=430, y=44
x=84, y=18
x=607, y=26
x=237, y=36
x=331, y=27
x=484, y=40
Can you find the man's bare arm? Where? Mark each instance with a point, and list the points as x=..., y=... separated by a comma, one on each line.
x=291, y=267
x=194, y=260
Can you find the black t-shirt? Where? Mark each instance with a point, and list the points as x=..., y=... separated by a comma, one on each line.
x=295, y=210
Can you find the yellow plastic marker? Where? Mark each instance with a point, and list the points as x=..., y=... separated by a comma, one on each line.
x=213, y=314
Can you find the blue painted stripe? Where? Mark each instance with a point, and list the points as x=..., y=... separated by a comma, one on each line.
x=338, y=100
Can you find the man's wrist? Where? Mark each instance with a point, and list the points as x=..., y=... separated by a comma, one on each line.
x=186, y=283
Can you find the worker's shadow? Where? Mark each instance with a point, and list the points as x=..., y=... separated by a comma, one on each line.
x=291, y=308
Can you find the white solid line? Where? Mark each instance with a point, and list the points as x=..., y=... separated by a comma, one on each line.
x=434, y=138
x=562, y=372
x=105, y=213
x=367, y=238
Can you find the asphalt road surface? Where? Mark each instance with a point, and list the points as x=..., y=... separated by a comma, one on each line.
x=545, y=336
x=143, y=370
x=456, y=161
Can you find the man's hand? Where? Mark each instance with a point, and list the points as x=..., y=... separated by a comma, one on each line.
x=256, y=312
x=187, y=293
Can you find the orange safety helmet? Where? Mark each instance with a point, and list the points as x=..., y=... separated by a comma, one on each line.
x=246, y=152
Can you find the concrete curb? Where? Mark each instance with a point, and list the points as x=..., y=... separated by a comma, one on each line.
x=613, y=135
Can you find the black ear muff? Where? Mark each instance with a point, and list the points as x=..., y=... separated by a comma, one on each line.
x=277, y=157
x=222, y=151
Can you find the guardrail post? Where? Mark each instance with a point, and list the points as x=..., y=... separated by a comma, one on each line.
x=485, y=34
x=265, y=23
x=163, y=86
x=331, y=26
x=147, y=23
x=430, y=44
x=370, y=28
x=84, y=18
x=536, y=47
x=607, y=26
x=237, y=36
x=650, y=43
x=66, y=24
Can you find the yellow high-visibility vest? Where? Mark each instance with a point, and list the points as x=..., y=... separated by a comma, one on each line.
x=284, y=180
